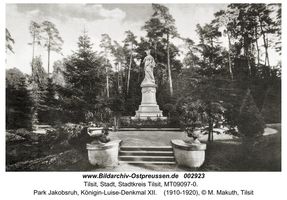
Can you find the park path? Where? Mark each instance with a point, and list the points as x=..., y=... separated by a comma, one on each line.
x=147, y=138
x=163, y=138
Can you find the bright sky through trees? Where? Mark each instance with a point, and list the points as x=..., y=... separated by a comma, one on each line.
x=113, y=19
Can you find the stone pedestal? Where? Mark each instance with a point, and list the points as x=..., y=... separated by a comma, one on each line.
x=149, y=107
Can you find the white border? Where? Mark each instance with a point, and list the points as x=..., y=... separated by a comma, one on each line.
x=267, y=185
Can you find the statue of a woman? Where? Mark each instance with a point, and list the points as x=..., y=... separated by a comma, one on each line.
x=149, y=64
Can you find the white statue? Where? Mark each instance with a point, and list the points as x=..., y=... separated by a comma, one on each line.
x=149, y=108
x=149, y=64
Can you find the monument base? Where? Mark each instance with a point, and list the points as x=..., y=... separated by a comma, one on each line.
x=149, y=111
x=149, y=117
x=149, y=108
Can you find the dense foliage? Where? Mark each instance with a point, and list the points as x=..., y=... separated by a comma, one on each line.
x=18, y=101
x=208, y=87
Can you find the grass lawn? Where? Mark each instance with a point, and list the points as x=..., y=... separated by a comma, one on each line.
x=147, y=138
x=265, y=155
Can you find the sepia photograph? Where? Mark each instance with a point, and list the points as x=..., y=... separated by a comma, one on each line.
x=145, y=87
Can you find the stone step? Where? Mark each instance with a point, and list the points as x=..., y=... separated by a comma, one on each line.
x=147, y=158
x=146, y=153
x=146, y=148
x=147, y=162
x=149, y=129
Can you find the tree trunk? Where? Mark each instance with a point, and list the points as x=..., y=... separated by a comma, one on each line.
x=267, y=54
x=155, y=53
x=246, y=54
x=121, y=82
x=107, y=76
x=123, y=78
x=115, y=123
x=118, y=77
x=168, y=67
x=107, y=82
x=229, y=56
x=49, y=60
x=210, y=135
x=257, y=47
x=129, y=71
x=33, y=47
x=210, y=129
x=248, y=63
x=265, y=44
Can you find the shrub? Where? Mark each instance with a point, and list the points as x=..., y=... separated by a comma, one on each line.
x=168, y=109
x=79, y=137
x=23, y=133
x=251, y=122
x=13, y=138
x=191, y=113
x=69, y=130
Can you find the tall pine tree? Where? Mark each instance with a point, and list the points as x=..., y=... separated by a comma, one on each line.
x=85, y=77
